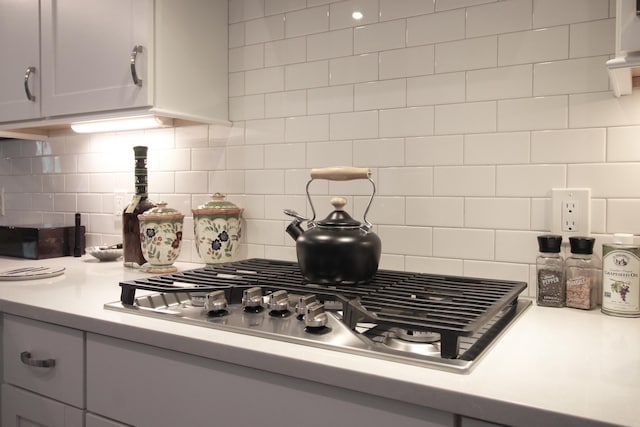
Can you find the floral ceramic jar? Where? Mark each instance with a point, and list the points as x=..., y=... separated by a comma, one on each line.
x=217, y=226
x=160, y=237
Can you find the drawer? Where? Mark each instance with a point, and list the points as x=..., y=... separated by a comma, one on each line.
x=23, y=408
x=44, y=342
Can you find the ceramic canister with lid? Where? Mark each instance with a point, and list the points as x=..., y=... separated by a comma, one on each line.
x=217, y=227
x=161, y=237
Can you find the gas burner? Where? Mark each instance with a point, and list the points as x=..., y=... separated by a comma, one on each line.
x=317, y=330
x=416, y=336
x=424, y=348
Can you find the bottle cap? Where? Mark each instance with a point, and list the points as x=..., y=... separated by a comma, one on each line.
x=623, y=238
x=549, y=243
x=582, y=245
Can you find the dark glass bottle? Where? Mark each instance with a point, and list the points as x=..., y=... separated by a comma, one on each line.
x=132, y=252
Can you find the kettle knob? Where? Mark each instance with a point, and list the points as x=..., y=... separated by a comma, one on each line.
x=338, y=203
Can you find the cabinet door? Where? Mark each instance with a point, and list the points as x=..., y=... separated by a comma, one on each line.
x=87, y=51
x=19, y=50
x=21, y=408
x=92, y=420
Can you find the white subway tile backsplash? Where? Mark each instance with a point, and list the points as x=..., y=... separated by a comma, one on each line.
x=434, y=150
x=307, y=128
x=606, y=180
x=413, y=121
x=464, y=181
x=284, y=156
x=264, y=131
x=463, y=243
x=283, y=52
x=550, y=112
x=246, y=58
x=622, y=144
x=407, y=181
x=332, y=44
x=341, y=13
x=242, y=10
x=568, y=146
x=264, y=29
x=236, y=35
x=206, y=159
x=436, y=28
x=497, y=213
x=545, y=44
x=264, y=80
x=436, y=89
x=411, y=61
x=499, y=83
x=274, y=205
x=307, y=75
x=353, y=69
x=570, y=76
x=516, y=246
x=622, y=216
x=377, y=37
x=434, y=265
x=381, y=94
x=456, y=4
x=383, y=210
x=84, y=203
x=227, y=182
x=530, y=180
x=246, y=107
x=548, y=13
x=325, y=154
x=497, y=148
x=265, y=232
x=378, y=152
x=470, y=117
x=332, y=99
x=307, y=21
x=435, y=211
x=467, y=54
x=280, y=6
x=496, y=270
x=356, y=125
x=592, y=38
x=406, y=240
x=393, y=9
x=499, y=17
x=236, y=84
x=264, y=182
x=603, y=109
x=285, y=104
x=191, y=182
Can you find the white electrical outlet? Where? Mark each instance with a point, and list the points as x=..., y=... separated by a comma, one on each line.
x=571, y=211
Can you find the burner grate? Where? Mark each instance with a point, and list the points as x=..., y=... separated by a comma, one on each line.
x=452, y=306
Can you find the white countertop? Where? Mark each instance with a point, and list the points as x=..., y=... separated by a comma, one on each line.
x=551, y=367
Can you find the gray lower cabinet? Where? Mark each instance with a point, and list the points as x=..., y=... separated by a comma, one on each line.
x=146, y=386
x=22, y=408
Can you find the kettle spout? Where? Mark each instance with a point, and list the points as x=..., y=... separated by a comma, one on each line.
x=294, y=229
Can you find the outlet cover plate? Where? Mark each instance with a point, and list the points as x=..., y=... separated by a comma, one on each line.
x=581, y=215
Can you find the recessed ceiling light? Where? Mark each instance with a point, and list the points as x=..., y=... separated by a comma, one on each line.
x=357, y=15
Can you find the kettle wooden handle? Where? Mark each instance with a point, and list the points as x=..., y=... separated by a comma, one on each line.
x=340, y=173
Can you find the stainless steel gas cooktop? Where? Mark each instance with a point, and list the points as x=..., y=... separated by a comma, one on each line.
x=445, y=322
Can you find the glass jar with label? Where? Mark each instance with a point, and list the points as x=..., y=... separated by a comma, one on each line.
x=582, y=273
x=621, y=277
x=550, y=282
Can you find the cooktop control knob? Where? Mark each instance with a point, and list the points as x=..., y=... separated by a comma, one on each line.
x=252, y=299
x=215, y=303
x=279, y=304
x=315, y=318
x=303, y=302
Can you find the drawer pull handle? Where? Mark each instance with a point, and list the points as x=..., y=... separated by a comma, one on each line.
x=25, y=357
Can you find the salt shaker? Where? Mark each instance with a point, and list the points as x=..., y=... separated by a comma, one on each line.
x=550, y=272
x=583, y=274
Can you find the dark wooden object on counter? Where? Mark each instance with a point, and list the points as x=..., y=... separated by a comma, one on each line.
x=39, y=241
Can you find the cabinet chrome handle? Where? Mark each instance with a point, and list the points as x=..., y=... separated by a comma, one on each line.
x=30, y=70
x=25, y=357
x=134, y=74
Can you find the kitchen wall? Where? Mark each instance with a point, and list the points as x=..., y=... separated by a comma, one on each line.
x=468, y=112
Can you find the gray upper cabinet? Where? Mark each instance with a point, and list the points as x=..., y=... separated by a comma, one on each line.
x=100, y=58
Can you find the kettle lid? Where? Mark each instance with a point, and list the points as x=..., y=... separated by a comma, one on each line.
x=339, y=217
